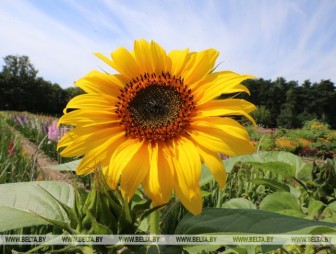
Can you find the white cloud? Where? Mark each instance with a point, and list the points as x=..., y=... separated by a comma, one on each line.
x=294, y=39
x=58, y=52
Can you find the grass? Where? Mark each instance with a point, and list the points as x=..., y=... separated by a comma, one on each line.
x=37, y=129
x=15, y=166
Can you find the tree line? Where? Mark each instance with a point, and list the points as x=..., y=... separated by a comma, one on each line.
x=280, y=103
x=287, y=104
x=22, y=90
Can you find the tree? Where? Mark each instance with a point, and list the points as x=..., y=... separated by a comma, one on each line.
x=21, y=90
x=290, y=105
x=262, y=116
x=19, y=67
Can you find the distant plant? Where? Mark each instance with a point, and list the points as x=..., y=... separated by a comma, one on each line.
x=262, y=116
x=41, y=130
x=15, y=166
x=284, y=144
x=317, y=129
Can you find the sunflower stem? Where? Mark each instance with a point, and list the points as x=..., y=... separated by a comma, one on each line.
x=154, y=222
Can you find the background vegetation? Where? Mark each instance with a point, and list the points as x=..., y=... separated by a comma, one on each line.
x=275, y=184
x=287, y=104
x=281, y=103
x=22, y=90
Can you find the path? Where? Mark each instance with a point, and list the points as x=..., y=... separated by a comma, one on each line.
x=42, y=161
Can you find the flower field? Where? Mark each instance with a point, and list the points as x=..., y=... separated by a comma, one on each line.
x=15, y=165
x=39, y=129
x=315, y=140
x=273, y=182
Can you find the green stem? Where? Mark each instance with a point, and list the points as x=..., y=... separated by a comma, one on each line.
x=154, y=222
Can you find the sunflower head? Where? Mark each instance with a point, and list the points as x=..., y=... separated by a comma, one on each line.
x=156, y=108
x=156, y=121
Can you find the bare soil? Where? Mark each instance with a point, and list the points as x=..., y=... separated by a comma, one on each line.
x=42, y=161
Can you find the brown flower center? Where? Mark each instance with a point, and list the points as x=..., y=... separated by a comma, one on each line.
x=155, y=108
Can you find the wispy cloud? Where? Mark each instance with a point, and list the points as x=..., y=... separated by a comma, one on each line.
x=293, y=39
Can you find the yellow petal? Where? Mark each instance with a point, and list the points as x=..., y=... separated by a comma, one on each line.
x=214, y=164
x=199, y=65
x=143, y=56
x=189, y=162
x=179, y=58
x=125, y=64
x=101, y=83
x=188, y=171
x=75, y=133
x=159, y=58
x=225, y=124
x=85, y=117
x=192, y=203
x=159, y=182
x=216, y=140
x=216, y=84
x=121, y=157
x=135, y=171
x=99, y=156
x=92, y=102
x=105, y=59
x=227, y=107
x=67, y=139
x=84, y=143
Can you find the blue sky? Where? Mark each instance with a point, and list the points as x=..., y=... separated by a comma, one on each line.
x=290, y=38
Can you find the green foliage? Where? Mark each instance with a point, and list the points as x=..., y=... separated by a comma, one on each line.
x=36, y=128
x=19, y=66
x=102, y=211
x=266, y=143
x=216, y=220
x=262, y=187
x=262, y=116
x=69, y=166
x=15, y=166
x=291, y=104
x=25, y=203
x=22, y=90
x=283, y=203
x=315, y=139
x=280, y=102
x=298, y=200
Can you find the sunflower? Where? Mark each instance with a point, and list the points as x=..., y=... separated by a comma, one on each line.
x=156, y=121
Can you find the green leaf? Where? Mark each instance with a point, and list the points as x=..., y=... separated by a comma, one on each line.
x=282, y=202
x=230, y=163
x=277, y=167
x=69, y=166
x=272, y=183
x=221, y=220
x=237, y=203
x=20, y=201
x=282, y=163
x=314, y=208
x=202, y=249
x=206, y=176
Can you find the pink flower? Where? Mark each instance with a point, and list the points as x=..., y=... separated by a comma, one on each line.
x=53, y=133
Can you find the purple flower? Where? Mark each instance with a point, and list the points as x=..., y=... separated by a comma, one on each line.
x=53, y=133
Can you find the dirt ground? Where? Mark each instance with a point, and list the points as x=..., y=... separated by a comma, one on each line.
x=42, y=161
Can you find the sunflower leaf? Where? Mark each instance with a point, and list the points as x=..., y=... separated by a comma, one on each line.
x=21, y=203
x=69, y=166
x=272, y=183
x=282, y=202
x=236, y=203
x=282, y=163
x=221, y=220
